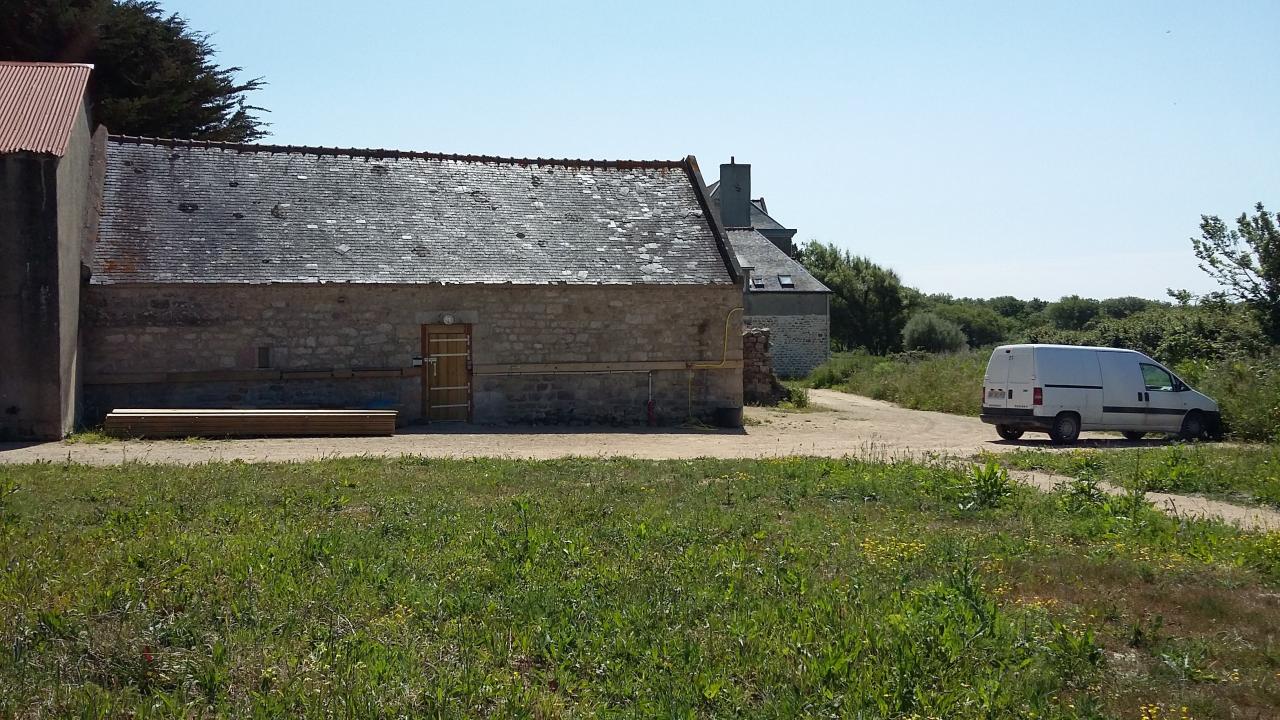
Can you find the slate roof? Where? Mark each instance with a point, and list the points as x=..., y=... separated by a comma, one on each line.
x=768, y=262
x=191, y=212
x=760, y=219
x=38, y=105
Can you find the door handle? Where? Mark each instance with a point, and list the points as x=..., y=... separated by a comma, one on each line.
x=1139, y=397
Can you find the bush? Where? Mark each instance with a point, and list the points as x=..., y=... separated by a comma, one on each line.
x=837, y=369
x=981, y=325
x=1210, y=332
x=1247, y=391
x=928, y=332
x=944, y=383
x=798, y=397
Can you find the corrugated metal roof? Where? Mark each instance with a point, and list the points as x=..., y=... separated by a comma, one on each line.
x=38, y=105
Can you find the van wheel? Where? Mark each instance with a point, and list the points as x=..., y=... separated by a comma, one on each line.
x=1065, y=429
x=1192, y=427
x=1133, y=435
x=1008, y=433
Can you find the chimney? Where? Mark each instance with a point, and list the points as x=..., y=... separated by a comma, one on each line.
x=735, y=194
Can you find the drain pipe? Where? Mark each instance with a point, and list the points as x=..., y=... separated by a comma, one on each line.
x=653, y=417
x=724, y=359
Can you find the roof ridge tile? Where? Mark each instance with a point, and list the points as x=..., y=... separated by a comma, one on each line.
x=383, y=154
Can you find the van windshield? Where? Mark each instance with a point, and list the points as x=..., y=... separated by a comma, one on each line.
x=1157, y=378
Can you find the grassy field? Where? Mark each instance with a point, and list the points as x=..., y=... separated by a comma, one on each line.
x=1249, y=474
x=949, y=383
x=785, y=588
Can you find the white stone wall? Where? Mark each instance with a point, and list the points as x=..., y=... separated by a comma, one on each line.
x=799, y=343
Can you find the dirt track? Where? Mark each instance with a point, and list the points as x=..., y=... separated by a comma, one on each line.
x=843, y=425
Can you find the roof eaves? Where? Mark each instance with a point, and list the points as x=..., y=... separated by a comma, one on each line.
x=717, y=230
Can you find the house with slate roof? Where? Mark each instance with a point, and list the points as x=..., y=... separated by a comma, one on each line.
x=780, y=294
x=446, y=287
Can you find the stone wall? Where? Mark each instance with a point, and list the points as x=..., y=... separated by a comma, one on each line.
x=73, y=196
x=29, y=389
x=42, y=214
x=134, y=331
x=760, y=385
x=799, y=343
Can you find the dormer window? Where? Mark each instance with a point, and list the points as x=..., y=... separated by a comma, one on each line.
x=786, y=281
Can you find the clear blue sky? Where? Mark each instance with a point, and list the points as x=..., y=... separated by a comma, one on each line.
x=977, y=148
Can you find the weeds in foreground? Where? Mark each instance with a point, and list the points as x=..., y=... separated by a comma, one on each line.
x=1249, y=474
x=89, y=437
x=780, y=587
x=990, y=486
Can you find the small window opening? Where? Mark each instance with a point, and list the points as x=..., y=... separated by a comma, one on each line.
x=786, y=281
x=757, y=282
x=264, y=356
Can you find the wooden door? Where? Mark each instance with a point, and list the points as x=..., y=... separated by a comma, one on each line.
x=446, y=373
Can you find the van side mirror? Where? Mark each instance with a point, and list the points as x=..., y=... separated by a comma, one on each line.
x=1179, y=386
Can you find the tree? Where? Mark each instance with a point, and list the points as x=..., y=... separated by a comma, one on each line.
x=980, y=324
x=1008, y=306
x=930, y=333
x=153, y=75
x=1245, y=262
x=868, y=305
x=1122, y=307
x=1072, y=312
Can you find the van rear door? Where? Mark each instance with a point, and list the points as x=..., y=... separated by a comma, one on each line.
x=995, y=383
x=1124, y=403
x=1022, y=378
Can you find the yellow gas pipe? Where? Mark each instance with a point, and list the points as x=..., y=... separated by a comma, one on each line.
x=724, y=360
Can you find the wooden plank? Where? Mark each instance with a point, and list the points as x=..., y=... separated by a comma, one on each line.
x=487, y=369
x=307, y=374
x=380, y=373
x=598, y=367
x=158, y=423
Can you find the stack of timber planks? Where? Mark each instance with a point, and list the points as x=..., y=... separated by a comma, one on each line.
x=182, y=423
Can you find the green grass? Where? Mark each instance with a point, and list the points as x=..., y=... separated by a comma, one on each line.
x=782, y=588
x=93, y=436
x=950, y=383
x=1251, y=474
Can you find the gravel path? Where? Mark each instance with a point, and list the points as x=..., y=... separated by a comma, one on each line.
x=840, y=425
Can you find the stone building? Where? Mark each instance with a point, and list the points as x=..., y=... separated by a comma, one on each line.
x=780, y=295
x=44, y=207
x=447, y=287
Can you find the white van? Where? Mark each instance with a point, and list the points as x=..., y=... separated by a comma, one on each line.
x=1063, y=389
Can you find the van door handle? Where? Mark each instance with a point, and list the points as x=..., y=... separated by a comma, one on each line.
x=1010, y=393
x=1139, y=397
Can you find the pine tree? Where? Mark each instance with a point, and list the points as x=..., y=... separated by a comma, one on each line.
x=153, y=75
